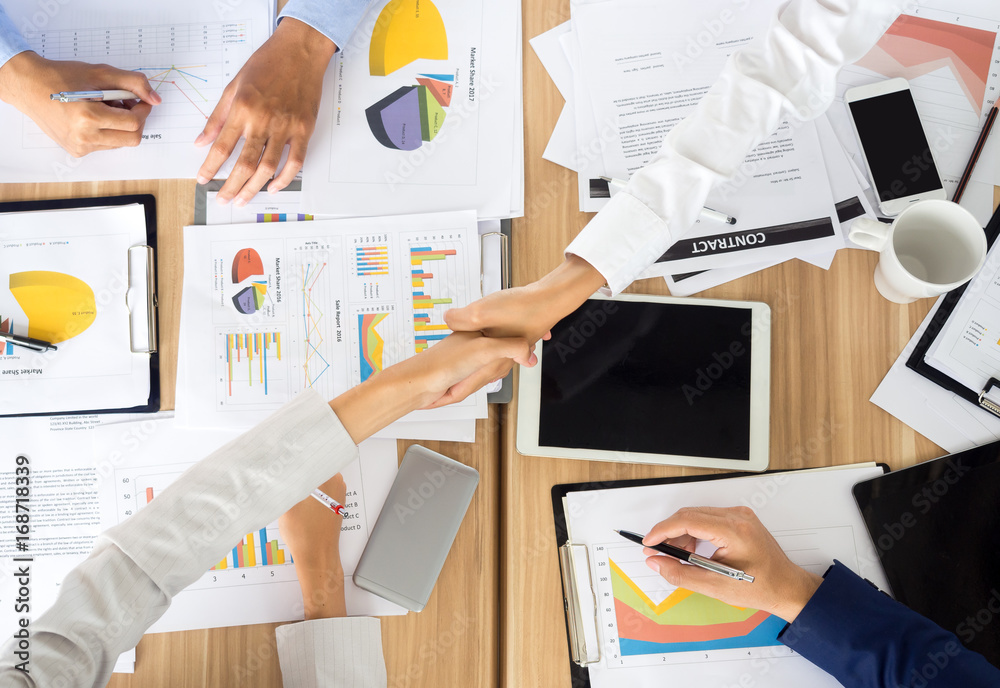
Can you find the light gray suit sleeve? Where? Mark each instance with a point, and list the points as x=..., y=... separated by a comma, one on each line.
x=136, y=568
x=332, y=653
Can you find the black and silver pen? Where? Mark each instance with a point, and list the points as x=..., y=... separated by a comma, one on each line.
x=689, y=557
x=26, y=342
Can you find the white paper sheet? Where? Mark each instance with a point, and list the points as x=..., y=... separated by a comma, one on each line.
x=138, y=461
x=64, y=277
x=813, y=517
x=968, y=348
x=640, y=79
x=941, y=416
x=63, y=509
x=954, y=86
x=188, y=49
x=468, y=162
x=328, y=303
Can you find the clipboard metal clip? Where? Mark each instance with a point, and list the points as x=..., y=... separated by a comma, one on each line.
x=142, y=315
x=988, y=404
x=580, y=603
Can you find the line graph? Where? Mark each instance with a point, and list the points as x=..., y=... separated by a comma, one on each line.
x=163, y=76
x=314, y=364
x=189, y=65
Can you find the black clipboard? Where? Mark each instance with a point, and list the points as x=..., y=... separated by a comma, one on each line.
x=949, y=301
x=580, y=675
x=148, y=202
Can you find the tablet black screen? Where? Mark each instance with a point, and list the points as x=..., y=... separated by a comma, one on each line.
x=936, y=528
x=648, y=377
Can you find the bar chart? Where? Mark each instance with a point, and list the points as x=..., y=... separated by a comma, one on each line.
x=435, y=277
x=252, y=368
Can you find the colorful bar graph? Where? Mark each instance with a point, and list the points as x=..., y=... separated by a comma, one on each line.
x=371, y=260
x=249, y=346
x=244, y=555
x=283, y=217
x=427, y=328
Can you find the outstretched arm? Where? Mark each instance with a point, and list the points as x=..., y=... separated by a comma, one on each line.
x=792, y=74
x=136, y=568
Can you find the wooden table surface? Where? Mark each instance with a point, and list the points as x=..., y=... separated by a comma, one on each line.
x=495, y=617
x=460, y=621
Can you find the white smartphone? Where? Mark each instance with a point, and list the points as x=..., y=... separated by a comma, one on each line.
x=897, y=154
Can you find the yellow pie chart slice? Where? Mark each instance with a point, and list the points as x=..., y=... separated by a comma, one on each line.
x=406, y=30
x=58, y=306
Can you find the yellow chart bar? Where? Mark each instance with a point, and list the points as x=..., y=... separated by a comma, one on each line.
x=251, y=555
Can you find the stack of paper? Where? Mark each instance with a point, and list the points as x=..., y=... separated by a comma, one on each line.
x=629, y=70
x=421, y=112
x=272, y=309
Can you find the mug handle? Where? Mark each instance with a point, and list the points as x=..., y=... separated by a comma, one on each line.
x=870, y=234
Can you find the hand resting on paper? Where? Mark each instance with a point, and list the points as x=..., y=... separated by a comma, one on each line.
x=27, y=80
x=781, y=587
x=271, y=103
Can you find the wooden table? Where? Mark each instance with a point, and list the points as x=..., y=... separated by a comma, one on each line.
x=495, y=617
x=460, y=621
x=833, y=338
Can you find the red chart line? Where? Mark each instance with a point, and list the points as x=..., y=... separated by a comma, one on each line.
x=189, y=99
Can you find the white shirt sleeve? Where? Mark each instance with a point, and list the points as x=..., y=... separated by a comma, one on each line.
x=332, y=653
x=791, y=74
x=136, y=568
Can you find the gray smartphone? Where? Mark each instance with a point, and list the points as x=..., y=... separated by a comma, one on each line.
x=415, y=530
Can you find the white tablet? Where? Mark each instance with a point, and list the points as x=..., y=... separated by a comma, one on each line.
x=652, y=379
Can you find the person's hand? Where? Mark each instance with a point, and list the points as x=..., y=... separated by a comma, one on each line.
x=446, y=373
x=271, y=103
x=780, y=587
x=312, y=534
x=529, y=311
x=27, y=80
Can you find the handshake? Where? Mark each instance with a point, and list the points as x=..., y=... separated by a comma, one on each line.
x=491, y=335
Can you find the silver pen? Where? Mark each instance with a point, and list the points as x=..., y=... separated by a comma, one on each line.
x=92, y=96
x=689, y=557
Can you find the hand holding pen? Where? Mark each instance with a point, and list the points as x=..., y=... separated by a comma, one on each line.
x=28, y=81
x=780, y=587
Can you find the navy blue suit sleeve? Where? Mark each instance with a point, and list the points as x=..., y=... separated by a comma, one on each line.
x=864, y=638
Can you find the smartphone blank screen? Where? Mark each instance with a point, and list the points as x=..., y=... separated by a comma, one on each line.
x=896, y=146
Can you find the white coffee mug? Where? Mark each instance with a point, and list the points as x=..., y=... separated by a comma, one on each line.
x=931, y=248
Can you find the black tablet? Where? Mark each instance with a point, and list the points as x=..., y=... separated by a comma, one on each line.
x=936, y=528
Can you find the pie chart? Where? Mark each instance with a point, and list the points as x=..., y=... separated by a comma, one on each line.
x=247, y=263
x=58, y=306
x=406, y=30
x=406, y=118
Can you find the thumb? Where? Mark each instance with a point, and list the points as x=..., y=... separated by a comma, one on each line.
x=138, y=84
x=686, y=576
x=515, y=348
x=467, y=319
x=217, y=119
